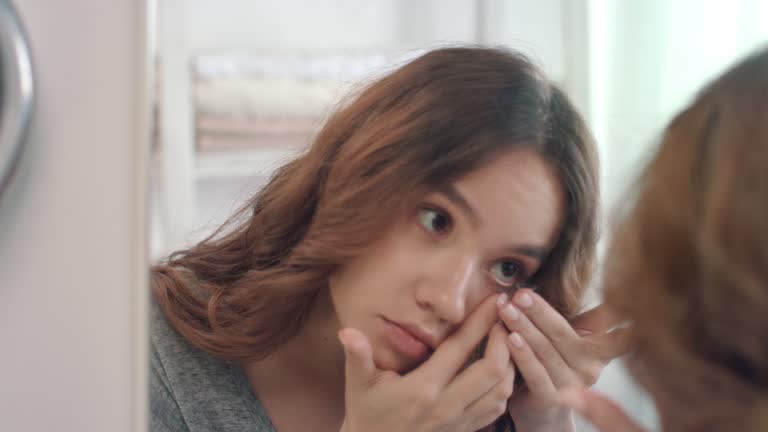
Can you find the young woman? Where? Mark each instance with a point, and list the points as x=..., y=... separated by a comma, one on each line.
x=419, y=210
x=689, y=266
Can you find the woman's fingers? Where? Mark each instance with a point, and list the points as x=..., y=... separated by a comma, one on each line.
x=540, y=343
x=494, y=403
x=536, y=376
x=360, y=371
x=598, y=410
x=483, y=375
x=452, y=354
x=546, y=319
x=586, y=356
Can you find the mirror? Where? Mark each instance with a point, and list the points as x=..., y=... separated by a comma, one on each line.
x=242, y=86
x=16, y=90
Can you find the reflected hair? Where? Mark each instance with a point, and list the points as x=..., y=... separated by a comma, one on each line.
x=688, y=265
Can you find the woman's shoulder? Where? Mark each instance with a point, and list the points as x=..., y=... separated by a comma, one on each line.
x=171, y=348
x=191, y=389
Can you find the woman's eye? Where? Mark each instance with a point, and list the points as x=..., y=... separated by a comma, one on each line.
x=434, y=221
x=506, y=273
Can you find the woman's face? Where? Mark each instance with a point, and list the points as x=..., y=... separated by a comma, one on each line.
x=481, y=235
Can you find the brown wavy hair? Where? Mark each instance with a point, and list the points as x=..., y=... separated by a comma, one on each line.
x=248, y=288
x=689, y=264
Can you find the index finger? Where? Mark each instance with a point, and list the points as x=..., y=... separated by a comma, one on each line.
x=453, y=353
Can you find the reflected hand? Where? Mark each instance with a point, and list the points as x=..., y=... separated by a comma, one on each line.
x=603, y=413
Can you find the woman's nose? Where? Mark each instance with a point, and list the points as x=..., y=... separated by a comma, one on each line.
x=447, y=289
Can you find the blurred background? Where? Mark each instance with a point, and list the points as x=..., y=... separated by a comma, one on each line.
x=242, y=85
x=148, y=122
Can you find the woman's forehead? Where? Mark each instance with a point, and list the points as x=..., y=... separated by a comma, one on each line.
x=518, y=191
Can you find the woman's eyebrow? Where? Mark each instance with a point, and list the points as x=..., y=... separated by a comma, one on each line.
x=455, y=197
x=536, y=252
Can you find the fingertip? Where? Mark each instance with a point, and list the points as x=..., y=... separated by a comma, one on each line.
x=524, y=298
x=501, y=300
x=516, y=340
x=342, y=335
x=349, y=338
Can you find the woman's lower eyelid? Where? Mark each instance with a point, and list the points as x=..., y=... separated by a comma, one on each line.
x=498, y=283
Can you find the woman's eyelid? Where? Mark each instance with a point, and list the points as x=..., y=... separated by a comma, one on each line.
x=511, y=284
x=522, y=275
x=439, y=202
x=433, y=207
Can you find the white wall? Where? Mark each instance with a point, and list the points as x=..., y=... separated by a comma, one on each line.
x=260, y=25
x=535, y=27
x=649, y=59
x=289, y=24
x=72, y=238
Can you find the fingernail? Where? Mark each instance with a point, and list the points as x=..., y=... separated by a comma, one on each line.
x=571, y=397
x=524, y=300
x=510, y=312
x=501, y=299
x=516, y=339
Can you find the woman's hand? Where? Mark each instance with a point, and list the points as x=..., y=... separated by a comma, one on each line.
x=604, y=414
x=552, y=354
x=440, y=395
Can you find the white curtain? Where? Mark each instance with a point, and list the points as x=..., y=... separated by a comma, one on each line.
x=646, y=61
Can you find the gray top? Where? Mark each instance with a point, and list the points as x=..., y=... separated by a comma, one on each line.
x=190, y=390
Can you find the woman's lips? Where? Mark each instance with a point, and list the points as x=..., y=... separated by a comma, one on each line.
x=405, y=341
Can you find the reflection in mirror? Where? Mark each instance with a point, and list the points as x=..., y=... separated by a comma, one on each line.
x=243, y=87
